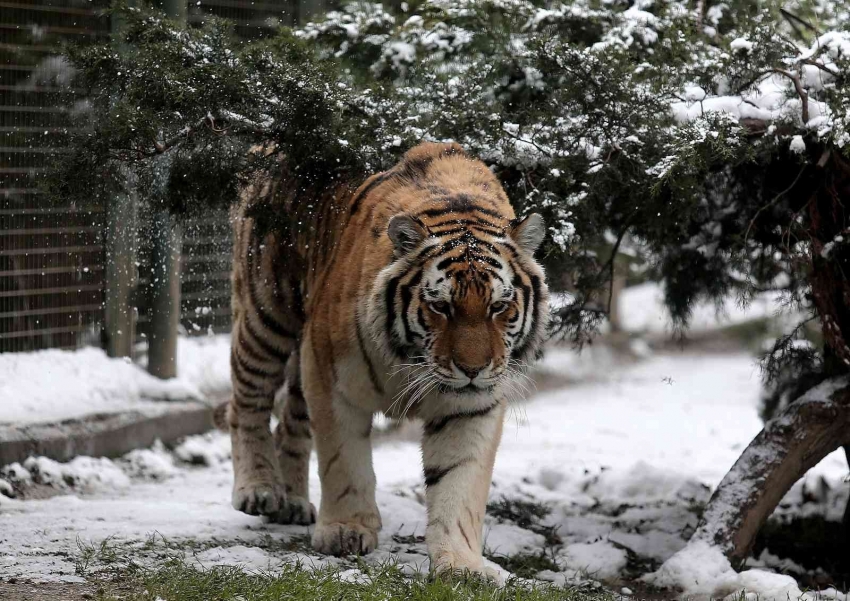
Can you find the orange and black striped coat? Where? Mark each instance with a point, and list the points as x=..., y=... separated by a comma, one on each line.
x=415, y=295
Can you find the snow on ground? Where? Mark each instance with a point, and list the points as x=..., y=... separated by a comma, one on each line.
x=90, y=382
x=622, y=457
x=622, y=460
x=54, y=385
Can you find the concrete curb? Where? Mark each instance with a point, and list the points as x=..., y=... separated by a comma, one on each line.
x=105, y=435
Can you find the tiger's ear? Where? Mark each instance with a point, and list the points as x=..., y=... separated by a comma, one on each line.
x=529, y=232
x=406, y=233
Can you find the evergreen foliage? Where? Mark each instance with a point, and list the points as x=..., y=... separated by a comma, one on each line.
x=714, y=137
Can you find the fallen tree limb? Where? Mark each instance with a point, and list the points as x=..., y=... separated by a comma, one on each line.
x=789, y=445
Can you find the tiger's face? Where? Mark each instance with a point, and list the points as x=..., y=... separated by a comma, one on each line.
x=467, y=307
x=470, y=319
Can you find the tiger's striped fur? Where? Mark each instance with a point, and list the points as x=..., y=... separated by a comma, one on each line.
x=412, y=296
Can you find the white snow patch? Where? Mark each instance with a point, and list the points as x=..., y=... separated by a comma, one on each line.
x=599, y=559
x=155, y=463
x=15, y=472
x=798, y=145
x=772, y=99
x=698, y=569
x=81, y=473
x=741, y=44
x=507, y=539
x=204, y=362
x=701, y=571
x=53, y=385
x=204, y=449
x=252, y=559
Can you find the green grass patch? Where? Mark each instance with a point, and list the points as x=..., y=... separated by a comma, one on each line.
x=164, y=570
x=525, y=565
x=93, y=559
x=524, y=514
x=528, y=515
x=177, y=581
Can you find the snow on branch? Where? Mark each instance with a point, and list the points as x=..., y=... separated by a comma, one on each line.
x=672, y=121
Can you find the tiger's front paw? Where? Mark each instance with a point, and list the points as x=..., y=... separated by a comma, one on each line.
x=344, y=538
x=296, y=510
x=448, y=566
x=259, y=498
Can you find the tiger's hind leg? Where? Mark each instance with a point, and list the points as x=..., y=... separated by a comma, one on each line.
x=293, y=443
x=257, y=372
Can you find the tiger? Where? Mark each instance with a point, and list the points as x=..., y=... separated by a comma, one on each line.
x=415, y=295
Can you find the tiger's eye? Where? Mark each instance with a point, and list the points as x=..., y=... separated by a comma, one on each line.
x=498, y=307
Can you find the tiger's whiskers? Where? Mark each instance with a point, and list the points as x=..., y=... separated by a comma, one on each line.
x=420, y=378
x=518, y=386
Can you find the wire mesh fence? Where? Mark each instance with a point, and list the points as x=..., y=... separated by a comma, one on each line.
x=52, y=256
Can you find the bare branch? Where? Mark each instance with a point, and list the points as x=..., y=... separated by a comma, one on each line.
x=530, y=142
x=235, y=124
x=165, y=145
x=771, y=203
x=821, y=66
x=611, y=260
x=752, y=81
x=792, y=18
x=795, y=79
x=801, y=91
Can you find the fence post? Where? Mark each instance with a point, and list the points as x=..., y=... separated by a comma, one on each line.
x=121, y=277
x=165, y=295
x=165, y=270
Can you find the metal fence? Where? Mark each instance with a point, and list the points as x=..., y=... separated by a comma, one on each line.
x=52, y=257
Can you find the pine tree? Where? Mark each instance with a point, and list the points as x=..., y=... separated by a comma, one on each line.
x=713, y=136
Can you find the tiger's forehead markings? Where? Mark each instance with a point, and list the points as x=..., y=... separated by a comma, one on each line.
x=459, y=202
x=467, y=270
x=466, y=256
x=471, y=285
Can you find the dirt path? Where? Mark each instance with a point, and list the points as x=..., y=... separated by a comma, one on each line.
x=56, y=591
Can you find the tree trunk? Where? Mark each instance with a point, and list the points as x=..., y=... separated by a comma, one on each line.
x=790, y=444
x=617, y=284
x=165, y=296
x=845, y=523
x=165, y=267
x=119, y=331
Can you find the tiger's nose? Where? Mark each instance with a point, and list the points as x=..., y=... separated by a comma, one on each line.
x=470, y=372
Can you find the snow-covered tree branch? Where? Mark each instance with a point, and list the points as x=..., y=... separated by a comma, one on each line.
x=704, y=131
